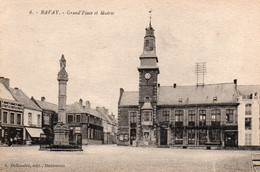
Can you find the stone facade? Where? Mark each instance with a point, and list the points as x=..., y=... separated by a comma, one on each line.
x=249, y=117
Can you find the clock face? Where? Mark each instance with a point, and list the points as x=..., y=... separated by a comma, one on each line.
x=147, y=76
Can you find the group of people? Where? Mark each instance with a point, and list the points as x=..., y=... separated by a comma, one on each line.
x=12, y=141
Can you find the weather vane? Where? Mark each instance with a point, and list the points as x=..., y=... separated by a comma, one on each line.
x=150, y=17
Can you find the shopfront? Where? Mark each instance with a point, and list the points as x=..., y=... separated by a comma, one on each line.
x=11, y=135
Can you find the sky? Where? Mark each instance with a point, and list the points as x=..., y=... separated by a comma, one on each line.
x=102, y=51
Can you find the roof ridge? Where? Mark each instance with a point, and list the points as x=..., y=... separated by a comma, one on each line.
x=22, y=97
x=196, y=85
x=46, y=102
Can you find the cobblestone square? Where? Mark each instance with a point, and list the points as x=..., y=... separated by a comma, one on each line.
x=119, y=158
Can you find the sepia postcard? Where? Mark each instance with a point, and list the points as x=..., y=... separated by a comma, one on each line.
x=170, y=85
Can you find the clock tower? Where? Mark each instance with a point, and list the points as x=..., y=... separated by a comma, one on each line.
x=148, y=79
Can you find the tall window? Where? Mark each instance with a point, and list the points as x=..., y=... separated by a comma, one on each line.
x=5, y=117
x=166, y=114
x=18, y=119
x=178, y=115
x=215, y=115
x=12, y=118
x=46, y=119
x=229, y=115
x=147, y=115
x=202, y=115
x=29, y=118
x=133, y=117
x=39, y=120
x=78, y=118
x=248, y=139
x=70, y=119
x=248, y=123
x=191, y=117
x=248, y=109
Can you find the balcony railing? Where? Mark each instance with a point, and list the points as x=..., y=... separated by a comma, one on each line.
x=215, y=123
x=179, y=124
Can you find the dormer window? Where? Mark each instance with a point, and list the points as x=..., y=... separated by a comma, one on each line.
x=215, y=99
x=180, y=100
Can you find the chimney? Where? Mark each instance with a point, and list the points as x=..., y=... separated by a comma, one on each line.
x=121, y=91
x=42, y=99
x=80, y=101
x=174, y=85
x=87, y=105
x=106, y=111
x=5, y=82
x=113, y=116
x=235, y=81
x=120, y=95
x=101, y=109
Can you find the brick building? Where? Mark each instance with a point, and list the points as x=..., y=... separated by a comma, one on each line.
x=85, y=120
x=11, y=115
x=32, y=117
x=49, y=116
x=203, y=115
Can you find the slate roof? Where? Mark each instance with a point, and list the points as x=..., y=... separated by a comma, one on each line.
x=167, y=95
x=21, y=97
x=225, y=93
x=106, y=117
x=129, y=98
x=77, y=108
x=248, y=89
x=47, y=105
x=5, y=94
x=112, y=119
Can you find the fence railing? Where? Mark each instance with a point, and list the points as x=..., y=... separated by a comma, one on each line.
x=74, y=143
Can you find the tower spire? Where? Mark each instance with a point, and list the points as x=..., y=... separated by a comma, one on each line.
x=150, y=23
x=149, y=50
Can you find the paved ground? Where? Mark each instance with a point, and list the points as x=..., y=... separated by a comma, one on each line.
x=118, y=158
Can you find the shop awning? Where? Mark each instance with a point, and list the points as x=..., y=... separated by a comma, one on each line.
x=34, y=132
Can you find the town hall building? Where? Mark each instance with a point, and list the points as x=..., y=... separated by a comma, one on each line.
x=164, y=116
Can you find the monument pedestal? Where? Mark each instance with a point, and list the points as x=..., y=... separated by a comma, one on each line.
x=61, y=135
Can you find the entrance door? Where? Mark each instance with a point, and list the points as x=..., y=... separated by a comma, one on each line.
x=163, y=136
x=230, y=139
x=132, y=135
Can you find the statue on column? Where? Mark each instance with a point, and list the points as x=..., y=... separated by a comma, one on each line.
x=62, y=62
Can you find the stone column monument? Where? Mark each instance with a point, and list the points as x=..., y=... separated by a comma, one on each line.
x=61, y=130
